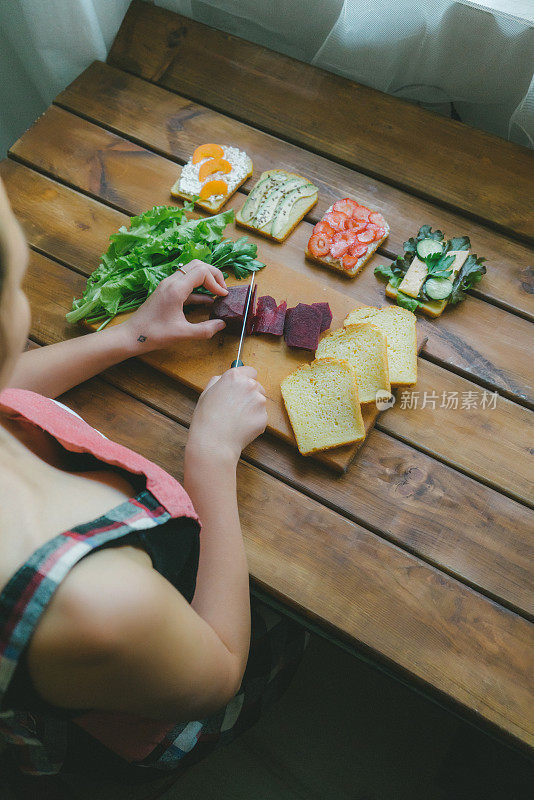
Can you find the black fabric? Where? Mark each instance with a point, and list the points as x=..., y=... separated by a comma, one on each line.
x=173, y=548
x=87, y=756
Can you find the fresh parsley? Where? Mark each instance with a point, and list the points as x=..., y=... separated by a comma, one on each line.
x=151, y=249
x=438, y=265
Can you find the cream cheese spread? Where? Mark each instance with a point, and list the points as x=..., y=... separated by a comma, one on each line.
x=239, y=161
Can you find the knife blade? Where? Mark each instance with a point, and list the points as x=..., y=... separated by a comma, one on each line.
x=238, y=362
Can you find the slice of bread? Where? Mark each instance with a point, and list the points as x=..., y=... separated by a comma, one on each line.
x=398, y=326
x=210, y=205
x=432, y=308
x=336, y=263
x=298, y=211
x=364, y=347
x=322, y=403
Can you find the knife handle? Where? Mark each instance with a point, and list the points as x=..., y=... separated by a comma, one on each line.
x=236, y=363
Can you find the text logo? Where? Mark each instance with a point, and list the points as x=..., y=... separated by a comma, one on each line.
x=384, y=400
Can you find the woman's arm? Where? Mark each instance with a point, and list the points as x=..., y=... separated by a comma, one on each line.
x=230, y=413
x=160, y=321
x=222, y=591
x=55, y=369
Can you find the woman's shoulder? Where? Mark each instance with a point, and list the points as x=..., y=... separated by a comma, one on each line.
x=104, y=605
x=119, y=638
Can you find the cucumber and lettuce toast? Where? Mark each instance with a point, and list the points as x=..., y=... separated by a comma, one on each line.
x=440, y=272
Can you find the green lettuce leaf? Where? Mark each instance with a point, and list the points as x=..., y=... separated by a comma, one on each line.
x=425, y=232
x=459, y=243
x=407, y=302
x=384, y=271
x=470, y=274
x=393, y=272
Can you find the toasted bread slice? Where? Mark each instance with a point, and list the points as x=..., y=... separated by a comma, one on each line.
x=336, y=263
x=432, y=308
x=214, y=204
x=322, y=403
x=364, y=347
x=398, y=326
x=279, y=224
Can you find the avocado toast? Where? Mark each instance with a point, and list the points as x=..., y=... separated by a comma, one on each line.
x=277, y=204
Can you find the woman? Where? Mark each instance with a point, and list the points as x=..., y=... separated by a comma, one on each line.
x=124, y=643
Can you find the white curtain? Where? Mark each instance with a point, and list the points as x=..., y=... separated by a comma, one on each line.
x=457, y=58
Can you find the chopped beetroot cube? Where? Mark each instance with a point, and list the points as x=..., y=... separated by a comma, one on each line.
x=287, y=321
x=231, y=308
x=303, y=326
x=265, y=307
x=266, y=303
x=324, y=308
x=269, y=317
x=288, y=314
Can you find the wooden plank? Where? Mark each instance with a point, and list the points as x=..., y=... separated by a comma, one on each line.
x=133, y=179
x=392, y=489
x=75, y=229
x=174, y=126
x=384, y=136
x=341, y=575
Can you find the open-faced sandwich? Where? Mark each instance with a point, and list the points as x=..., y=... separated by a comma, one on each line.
x=432, y=272
x=347, y=236
x=213, y=173
x=277, y=203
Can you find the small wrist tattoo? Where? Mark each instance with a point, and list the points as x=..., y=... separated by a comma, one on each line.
x=142, y=338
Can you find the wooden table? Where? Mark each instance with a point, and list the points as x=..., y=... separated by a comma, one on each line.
x=420, y=557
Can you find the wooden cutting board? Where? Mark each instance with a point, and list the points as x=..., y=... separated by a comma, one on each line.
x=193, y=363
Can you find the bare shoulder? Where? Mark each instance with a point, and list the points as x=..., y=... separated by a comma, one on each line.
x=107, y=602
x=102, y=595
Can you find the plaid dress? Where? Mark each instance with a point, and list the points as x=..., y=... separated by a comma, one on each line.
x=55, y=740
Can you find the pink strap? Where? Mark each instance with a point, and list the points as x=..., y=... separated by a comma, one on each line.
x=77, y=436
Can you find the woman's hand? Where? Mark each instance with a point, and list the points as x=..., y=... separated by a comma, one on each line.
x=160, y=321
x=231, y=412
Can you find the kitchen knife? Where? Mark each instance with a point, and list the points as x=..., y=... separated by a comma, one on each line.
x=238, y=362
